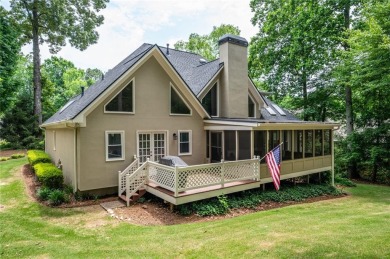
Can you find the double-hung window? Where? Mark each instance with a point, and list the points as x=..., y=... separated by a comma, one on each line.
x=185, y=142
x=115, y=145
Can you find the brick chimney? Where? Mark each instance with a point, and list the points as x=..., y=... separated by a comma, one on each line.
x=234, y=80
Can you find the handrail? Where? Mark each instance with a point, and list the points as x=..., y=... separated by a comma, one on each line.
x=133, y=178
x=121, y=174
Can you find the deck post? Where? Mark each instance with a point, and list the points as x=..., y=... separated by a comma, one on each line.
x=119, y=182
x=176, y=181
x=332, y=159
x=222, y=173
x=146, y=169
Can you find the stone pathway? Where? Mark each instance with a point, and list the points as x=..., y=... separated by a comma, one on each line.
x=111, y=205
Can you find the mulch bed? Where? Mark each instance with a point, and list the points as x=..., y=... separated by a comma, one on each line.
x=155, y=211
x=8, y=153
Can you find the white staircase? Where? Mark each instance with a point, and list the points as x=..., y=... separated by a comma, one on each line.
x=131, y=182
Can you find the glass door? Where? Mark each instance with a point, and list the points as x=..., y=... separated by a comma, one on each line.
x=151, y=145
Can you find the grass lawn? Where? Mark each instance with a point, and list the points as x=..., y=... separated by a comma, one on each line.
x=357, y=226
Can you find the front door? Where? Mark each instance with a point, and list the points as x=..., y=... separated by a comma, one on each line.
x=216, y=146
x=151, y=145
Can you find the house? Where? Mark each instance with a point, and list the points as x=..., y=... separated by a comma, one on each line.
x=160, y=101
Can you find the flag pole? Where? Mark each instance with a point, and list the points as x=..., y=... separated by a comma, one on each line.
x=271, y=151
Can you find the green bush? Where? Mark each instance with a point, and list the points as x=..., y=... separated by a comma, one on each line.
x=37, y=156
x=56, y=197
x=49, y=175
x=252, y=198
x=16, y=156
x=4, y=158
x=344, y=181
x=43, y=193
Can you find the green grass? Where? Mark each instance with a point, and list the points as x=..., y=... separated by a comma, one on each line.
x=356, y=226
x=7, y=166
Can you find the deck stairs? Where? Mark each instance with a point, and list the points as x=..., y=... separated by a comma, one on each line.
x=132, y=181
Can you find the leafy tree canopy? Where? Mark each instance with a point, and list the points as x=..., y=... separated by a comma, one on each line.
x=207, y=45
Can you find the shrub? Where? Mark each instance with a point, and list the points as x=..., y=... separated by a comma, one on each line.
x=56, y=197
x=37, y=156
x=16, y=156
x=4, y=158
x=344, y=181
x=49, y=175
x=43, y=193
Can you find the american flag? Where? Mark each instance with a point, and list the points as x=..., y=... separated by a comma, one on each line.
x=273, y=162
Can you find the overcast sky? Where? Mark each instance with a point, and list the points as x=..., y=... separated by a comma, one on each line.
x=129, y=23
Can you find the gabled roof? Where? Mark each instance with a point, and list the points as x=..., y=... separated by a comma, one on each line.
x=192, y=68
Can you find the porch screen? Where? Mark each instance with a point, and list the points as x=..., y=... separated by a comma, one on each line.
x=327, y=142
x=123, y=101
x=308, y=143
x=230, y=145
x=244, y=145
x=318, y=142
x=260, y=143
x=298, y=144
x=287, y=145
x=274, y=139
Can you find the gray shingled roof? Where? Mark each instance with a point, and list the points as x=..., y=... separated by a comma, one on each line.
x=265, y=115
x=189, y=66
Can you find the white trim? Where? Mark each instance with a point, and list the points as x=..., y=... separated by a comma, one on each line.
x=189, y=142
x=181, y=97
x=254, y=103
x=122, y=133
x=54, y=140
x=132, y=81
x=218, y=98
x=232, y=123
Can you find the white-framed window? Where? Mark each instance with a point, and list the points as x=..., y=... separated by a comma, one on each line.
x=123, y=102
x=210, y=101
x=251, y=107
x=178, y=105
x=185, y=142
x=115, y=145
x=54, y=140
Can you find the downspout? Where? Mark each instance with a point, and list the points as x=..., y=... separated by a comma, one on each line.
x=75, y=160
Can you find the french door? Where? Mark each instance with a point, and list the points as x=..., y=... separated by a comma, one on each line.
x=151, y=145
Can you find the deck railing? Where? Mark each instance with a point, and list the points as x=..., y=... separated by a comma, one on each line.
x=181, y=179
x=122, y=175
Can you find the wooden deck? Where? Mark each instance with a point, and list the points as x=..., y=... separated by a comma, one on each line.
x=201, y=193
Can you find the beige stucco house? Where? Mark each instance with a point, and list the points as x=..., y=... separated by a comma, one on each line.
x=160, y=101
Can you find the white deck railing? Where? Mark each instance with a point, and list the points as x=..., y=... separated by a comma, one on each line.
x=181, y=179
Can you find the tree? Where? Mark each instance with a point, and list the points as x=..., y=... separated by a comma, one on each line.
x=9, y=54
x=294, y=48
x=207, y=45
x=54, y=22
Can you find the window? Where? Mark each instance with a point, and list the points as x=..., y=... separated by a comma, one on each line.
x=210, y=101
x=327, y=142
x=115, y=149
x=244, y=145
x=286, y=147
x=251, y=108
x=308, y=143
x=318, y=142
x=178, y=106
x=185, y=140
x=230, y=145
x=123, y=102
x=260, y=143
x=298, y=144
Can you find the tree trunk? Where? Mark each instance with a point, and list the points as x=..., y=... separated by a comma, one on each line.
x=36, y=66
x=304, y=90
x=352, y=172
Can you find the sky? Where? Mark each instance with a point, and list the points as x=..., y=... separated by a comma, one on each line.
x=129, y=23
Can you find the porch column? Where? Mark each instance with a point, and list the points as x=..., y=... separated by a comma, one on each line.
x=332, y=158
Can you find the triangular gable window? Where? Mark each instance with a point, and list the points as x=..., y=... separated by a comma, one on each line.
x=123, y=101
x=178, y=105
x=210, y=101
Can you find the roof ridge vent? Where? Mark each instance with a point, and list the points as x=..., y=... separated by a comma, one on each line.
x=202, y=61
